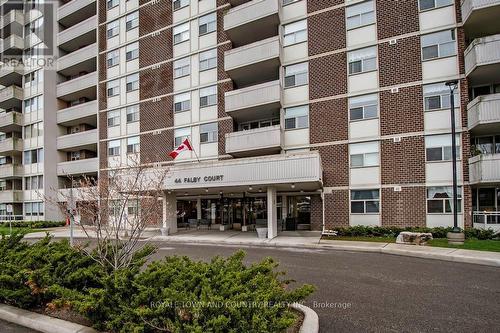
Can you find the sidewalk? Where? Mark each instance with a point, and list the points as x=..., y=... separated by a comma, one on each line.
x=304, y=239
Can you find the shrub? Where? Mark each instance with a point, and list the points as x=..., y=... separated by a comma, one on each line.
x=34, y=224
x=176, y=294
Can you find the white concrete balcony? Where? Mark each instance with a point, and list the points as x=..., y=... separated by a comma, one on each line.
x=8, y=171
x=77, y=141
x=14, y=16
x=83, y=59
x=80, y=167
x=11, y=146
x=254, y=102
x=480, y=17
x=11, y=121
x=252, y=21
x=11, y=97
x=484, y=114
x=75, y=11
x=10, y=196
x=77, y=114
x=482, y=60
x=83, y=33
x=78, y=87
x=79, y=194
x=253, y=63
x=484, y=169
x=259, y=141
x=12, y=44
x=10, y=75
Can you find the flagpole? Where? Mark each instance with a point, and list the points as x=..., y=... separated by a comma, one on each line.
x=194, y=151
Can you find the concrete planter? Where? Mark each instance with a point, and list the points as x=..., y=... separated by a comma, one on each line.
x=164, y=231
x=455, y=238
x=261, y=232
x=224, y=227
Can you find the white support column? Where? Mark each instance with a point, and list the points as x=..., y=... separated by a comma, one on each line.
x=169, y=212
x=284, y=207
x=272, y=223
x=198, y=208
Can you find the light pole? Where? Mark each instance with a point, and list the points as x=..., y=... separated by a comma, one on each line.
x=455, y=236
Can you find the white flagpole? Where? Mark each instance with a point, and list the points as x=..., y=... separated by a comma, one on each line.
x=194, y=151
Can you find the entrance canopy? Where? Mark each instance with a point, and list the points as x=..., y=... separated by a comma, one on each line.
x=299, y=170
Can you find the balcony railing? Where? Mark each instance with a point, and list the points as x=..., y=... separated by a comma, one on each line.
x=11, y=145
x=80, y=111
x=471, y=6
x=254, y=102
x=484, y=169
x=482, y=52
x=80, y=139
x=261, y=141
x=11, y=171
x=10, y=121
x=486, y=220
x=77, y=84
x=12, y=42
x=11, y=74
x=10, y=196
x=77, y=30
x=79, y=167
x=484, y=113
x=11, y=96
x=73, y=7
x=76, y=57
x=11, y=17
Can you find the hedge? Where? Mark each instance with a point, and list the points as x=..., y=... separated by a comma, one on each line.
x=438, y=232
x=33, y=224
x=176, y=294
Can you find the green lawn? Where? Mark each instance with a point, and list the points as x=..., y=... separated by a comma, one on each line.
x=6, y=230
x=470, y=244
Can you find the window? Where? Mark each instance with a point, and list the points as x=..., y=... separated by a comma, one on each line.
x=113, y=118
x=112, y=3
x=181, y=33
x=364, y=154
x=438, y=147
x=182, y=102
x=259, y=124
x=363, y=60
x=33, y=78
x=208, y=96
x=363, y=107
x=360, y=14
x=297, y=117
x=113, y=88
x=132, y=51
x=437, y=97
x=287, y=2
x=432, y=4
x=33, y=156
x=75, y=156
x=113, y=58
x=132, y=82
x=133, y=208
x=113, y=29
x=438, y=45
x=207, y=24
x=208, y=59
x=208, y=133
x=132, y=21
x=295, y=33
x=178, y=4
x=33, y=208
x=180, y=135
x=440, y=199
x=487, y=144
x=365, y=201
x=133, y=145
x=33, y=104
x=3, y=185
x=114, y=148
x=33, y=183
x=132, y=113
x=182, y=67
x=296, y=75
x=33, y=130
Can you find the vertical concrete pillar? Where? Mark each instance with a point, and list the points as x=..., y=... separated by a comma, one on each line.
x=169, y=212
x=272, y=223
x=198, y=208
x=284, y=206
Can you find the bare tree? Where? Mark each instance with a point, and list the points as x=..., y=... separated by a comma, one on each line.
x=115, y=209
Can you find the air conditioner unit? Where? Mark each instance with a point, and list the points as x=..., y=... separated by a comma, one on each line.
x=397, y=189
x=394, y=90
x=397, y=139
x=393, y=41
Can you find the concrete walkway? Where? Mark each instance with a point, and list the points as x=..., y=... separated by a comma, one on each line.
x=303, y=239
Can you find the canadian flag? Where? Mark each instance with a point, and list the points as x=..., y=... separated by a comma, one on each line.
x=185, y=145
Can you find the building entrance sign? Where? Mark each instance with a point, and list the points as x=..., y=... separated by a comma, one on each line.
x=197, y=180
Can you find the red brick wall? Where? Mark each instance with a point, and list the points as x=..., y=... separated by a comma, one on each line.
x=314, y=5
x=467, y=203
x=403, y=162
x=326, y=31
x=225, y=126
x=396, y=17
x=401, y=112
x=404, y=209
x=154, y=16
x=337, y=209
x=335, y=162
x=400, y=63
x=328, y=76
x=155, y=48
x=156, y=114
x=316, y=213
x=156, y=81
x=328, y=121
x=155, y=147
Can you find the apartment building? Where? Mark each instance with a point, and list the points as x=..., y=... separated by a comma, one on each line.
x=48, y=104
x=302, y=114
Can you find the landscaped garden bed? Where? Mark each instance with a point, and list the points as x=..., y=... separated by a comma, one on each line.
x=176, y=294
x=28, y=226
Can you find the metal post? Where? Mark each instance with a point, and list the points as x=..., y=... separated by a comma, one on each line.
x=71, y=208
x=453, y=85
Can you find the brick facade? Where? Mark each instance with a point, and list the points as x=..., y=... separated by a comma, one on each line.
x=321, y=27
x=337, y=209
x=396, y=17
x=316, y=213
x=328, y=121
x=328, y=76
x=406, y=208
x=403, y=162
x=401, y=62
x=401, y=112
x=335, y=162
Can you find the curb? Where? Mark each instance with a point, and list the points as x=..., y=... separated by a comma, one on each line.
x=39, y=322
x=449, y=254
x=311, y=319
